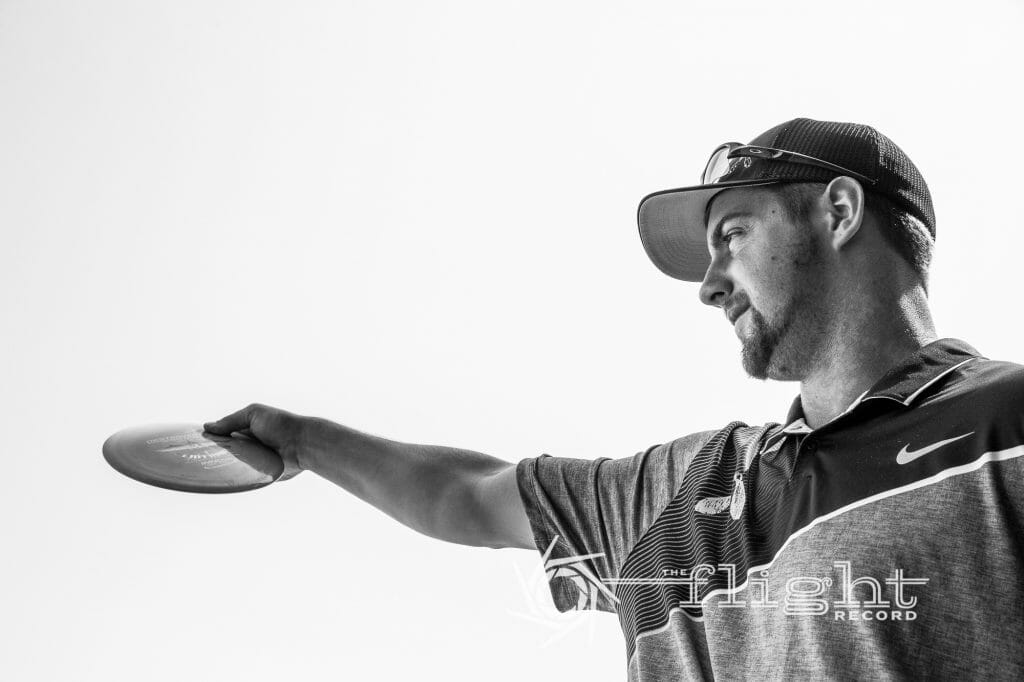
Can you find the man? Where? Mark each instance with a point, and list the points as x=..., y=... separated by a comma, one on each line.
x=877, y=533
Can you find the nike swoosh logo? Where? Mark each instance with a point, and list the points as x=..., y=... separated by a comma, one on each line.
x=906, y=455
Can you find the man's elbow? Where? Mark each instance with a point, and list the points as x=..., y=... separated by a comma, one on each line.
x=482, y=508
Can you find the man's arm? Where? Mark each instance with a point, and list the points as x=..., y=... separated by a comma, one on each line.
x=447, y=493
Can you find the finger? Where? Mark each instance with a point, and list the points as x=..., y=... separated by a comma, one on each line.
x=289, y=472
x=237, y=421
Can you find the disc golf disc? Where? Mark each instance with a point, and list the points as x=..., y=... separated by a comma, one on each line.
x=184, y=457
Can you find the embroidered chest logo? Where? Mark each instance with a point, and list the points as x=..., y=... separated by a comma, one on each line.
x=733, y=503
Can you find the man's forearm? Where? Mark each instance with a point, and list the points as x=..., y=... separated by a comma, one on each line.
x=426, y=487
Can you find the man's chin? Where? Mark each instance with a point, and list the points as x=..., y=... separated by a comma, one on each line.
x=761, y=353
x=763, y=361
x=756, y=359
x=757, y=343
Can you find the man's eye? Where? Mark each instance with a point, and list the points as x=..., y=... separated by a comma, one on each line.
x=729, y=235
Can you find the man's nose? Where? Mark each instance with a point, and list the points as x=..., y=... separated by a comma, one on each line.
x=716, y=287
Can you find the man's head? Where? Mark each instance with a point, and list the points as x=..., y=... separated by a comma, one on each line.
x=788, y=262
x=810, y=220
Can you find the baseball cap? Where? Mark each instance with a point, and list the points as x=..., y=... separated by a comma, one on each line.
x=672, y=222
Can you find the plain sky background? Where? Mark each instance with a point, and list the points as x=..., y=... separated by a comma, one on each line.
x=417, y=219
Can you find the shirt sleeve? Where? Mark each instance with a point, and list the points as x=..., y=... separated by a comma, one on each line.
x=586, y=515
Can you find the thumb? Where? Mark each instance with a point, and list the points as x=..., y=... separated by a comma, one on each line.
x=236, y=421
x=290, y=471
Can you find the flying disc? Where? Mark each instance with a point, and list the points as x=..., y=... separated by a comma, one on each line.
x=184, y=457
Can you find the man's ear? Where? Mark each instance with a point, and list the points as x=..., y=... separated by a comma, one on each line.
x=844, y=199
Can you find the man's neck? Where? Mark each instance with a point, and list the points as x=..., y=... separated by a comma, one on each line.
x=861, y=352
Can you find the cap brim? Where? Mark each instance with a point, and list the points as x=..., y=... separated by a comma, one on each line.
x=673, y=231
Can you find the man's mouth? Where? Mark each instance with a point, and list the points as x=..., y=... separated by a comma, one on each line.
x=735, y=314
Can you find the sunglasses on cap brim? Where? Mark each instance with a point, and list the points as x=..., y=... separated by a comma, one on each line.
x=725, y=157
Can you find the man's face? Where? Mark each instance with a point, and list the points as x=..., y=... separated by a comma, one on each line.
x=767, y=274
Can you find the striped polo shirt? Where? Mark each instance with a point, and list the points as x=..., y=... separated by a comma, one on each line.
x=885, y=544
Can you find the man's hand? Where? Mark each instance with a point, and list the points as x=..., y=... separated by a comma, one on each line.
x=283, y=432
x=448, y=493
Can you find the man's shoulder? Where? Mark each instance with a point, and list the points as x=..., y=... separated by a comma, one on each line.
x=736, y=434
x=692, y=443
x=1002, y=368
x=981, y=387
x=999, y=376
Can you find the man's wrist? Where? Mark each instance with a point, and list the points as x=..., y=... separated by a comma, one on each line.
x=311, y=442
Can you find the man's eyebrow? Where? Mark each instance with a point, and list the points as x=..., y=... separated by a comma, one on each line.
x=716, y=233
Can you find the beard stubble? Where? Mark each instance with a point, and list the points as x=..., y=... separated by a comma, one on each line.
x=780, y=348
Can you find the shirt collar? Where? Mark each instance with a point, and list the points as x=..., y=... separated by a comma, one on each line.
x=906, y=381
x=920, y=370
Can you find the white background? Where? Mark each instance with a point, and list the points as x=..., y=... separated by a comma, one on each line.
x=417, y=219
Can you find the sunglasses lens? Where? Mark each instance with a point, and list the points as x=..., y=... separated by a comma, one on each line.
x=718, y=164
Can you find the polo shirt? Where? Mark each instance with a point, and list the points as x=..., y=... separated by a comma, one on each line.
x=885, y=544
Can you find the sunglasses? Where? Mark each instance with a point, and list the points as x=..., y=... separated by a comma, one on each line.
x=725, y=158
